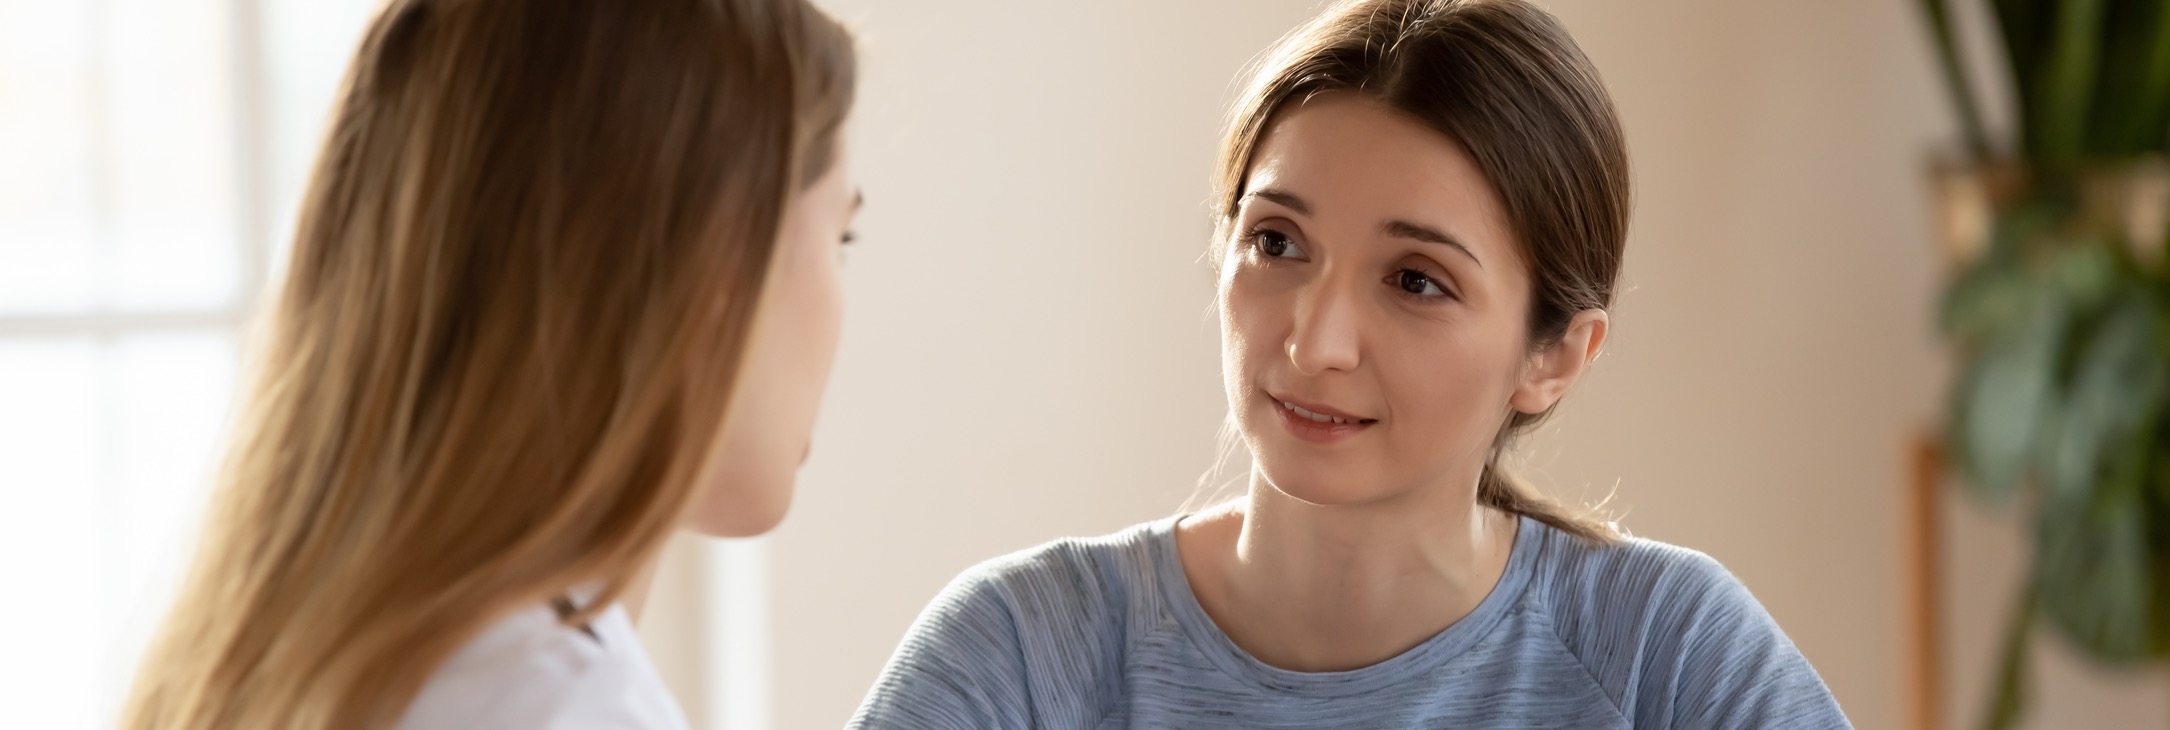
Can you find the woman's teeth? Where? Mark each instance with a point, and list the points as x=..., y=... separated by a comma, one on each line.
x=1319, y=417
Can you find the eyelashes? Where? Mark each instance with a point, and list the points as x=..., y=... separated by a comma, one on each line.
x=1414, y=283
x=1275, y=246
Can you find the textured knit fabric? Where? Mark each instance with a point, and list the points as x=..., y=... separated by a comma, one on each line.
x=1105, y=633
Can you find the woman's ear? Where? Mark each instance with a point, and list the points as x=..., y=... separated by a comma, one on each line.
x=1553, y=370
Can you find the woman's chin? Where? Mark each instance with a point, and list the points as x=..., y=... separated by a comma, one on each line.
x=741, y=510
x=1325, y=487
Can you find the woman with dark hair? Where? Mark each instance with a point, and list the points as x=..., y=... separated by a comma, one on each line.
x=1422, y=208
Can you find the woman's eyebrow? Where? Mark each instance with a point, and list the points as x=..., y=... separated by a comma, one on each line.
x=1284, y=198
x=1427, y=234
x=1394, y=228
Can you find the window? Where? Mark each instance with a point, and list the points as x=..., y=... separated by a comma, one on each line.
x=151, y=153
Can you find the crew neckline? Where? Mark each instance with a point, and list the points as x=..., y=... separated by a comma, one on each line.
x=1443, y=647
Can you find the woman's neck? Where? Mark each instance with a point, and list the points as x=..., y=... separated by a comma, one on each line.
x=1330, y=588
x=635, y=597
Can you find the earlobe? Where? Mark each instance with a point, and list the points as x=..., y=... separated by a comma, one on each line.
x=1554, y=370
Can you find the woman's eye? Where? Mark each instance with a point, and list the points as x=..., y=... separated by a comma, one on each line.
x=1275, y=244
x=1417, y=283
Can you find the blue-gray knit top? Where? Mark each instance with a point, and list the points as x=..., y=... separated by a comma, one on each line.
x=1105, y=633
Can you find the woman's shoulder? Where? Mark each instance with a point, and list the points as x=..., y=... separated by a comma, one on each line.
x=529, y=670
x=1668, y=629
x=1629, y=572
x=1033, y=634
x=1061, y=579
x=1641, y=597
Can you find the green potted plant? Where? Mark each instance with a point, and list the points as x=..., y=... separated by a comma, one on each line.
x=2058, y=312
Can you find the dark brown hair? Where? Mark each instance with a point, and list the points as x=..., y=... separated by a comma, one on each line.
x=526, y=270
x=1504, y=80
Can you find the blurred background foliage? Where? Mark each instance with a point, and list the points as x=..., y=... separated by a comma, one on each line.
x=2056, y=313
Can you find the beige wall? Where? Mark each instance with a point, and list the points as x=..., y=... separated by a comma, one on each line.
x=1027, y=352
x=1028, y=355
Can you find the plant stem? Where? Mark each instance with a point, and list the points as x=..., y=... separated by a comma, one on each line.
x=2010, y=700
x=2068, y=83
x=1956, y=80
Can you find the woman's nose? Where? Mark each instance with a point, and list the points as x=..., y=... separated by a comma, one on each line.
x=1325, y=334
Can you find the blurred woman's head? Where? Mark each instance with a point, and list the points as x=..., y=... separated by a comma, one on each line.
x=1423, y=206
x=544, y=246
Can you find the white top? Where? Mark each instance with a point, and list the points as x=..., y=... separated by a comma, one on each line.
x=529, y=671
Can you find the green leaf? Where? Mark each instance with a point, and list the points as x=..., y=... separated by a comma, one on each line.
x=1992, y=296
x=2162, y=473
x=2085, y=273
x=2132, y=112
x=2095, y=563
x=1987, y=302
x=2010, y=700
x=2025, y=26
x=2007, y=395
x=2066, y=84
x=2151, y=121
x=2147, y=446
x=2116, y=388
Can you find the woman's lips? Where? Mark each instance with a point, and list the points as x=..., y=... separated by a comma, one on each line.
x=1318, y=423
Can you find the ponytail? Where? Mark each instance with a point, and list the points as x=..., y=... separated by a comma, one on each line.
x=1502, y=490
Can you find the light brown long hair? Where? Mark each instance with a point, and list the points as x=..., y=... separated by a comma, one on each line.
x=526, y=268
x=1506, y=81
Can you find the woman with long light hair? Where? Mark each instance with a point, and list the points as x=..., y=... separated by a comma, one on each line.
x=564, y=282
